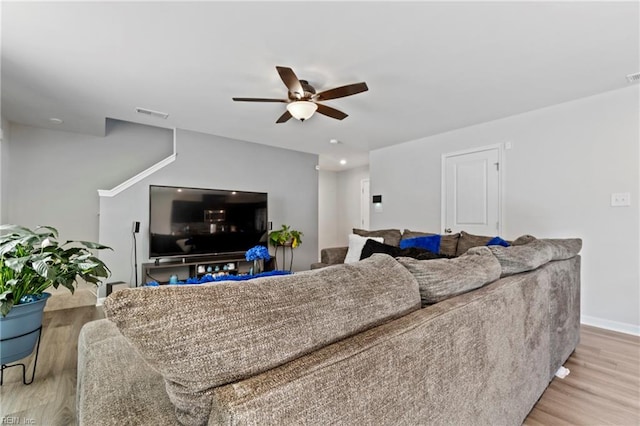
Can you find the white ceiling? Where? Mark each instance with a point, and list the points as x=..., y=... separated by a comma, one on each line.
x=430, y=66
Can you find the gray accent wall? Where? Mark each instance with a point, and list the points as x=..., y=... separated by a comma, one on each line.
x=564, y=164
x=208, y=161
x=53, y=176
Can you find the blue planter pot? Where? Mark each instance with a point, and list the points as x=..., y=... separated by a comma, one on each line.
x=21, y=320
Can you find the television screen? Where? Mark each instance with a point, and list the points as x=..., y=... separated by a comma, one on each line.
x=198, y=222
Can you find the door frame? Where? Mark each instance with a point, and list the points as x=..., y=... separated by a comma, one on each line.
x=501, y=184
x=365, y=208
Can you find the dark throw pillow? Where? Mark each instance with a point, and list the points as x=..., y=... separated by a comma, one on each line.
x=372, y=246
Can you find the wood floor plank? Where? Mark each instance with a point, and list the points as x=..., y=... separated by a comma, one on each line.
x=50, y=399
x=602, y=389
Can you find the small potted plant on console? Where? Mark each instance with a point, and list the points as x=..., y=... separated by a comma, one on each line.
x=285, y=237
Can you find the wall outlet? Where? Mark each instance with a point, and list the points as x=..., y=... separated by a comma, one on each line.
x=620, y=199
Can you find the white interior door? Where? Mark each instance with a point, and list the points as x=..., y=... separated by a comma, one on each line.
x=471, y=191
x=364, y=203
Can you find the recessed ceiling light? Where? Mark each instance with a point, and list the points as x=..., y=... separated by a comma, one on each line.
x=158, y=114
x=334, y=141
x=55, y=120
x=343, y=161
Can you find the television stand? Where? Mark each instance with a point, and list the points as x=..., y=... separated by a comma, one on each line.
x=184, y=268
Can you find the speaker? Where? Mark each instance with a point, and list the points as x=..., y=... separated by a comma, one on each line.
x=136, y=227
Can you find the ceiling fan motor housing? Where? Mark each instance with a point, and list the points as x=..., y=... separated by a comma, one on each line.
x=309, y=91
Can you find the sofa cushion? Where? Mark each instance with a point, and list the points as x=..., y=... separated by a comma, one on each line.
x=202, y=336
x=448, y=242
x=521, y=258
x=564, y=248
x=444, y=278
x=372, y=247
x=467, y=241
x=523, y=239
x=356, y=244
x=391, y=236
x=530, y=256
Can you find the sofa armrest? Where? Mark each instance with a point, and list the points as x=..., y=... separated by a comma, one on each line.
x=318, y=265
x=333, y=255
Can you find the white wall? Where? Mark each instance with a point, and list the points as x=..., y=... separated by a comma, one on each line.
x=327, y=210
x=565, y=162
x=349, y=202
x=53, y=176
x=207, y=161
x=339, y=207
x=4, y=170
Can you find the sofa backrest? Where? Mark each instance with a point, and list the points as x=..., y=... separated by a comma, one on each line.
x=202, y=336
x=481, y=358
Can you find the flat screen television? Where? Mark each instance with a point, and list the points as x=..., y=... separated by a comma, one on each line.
x=186, y=222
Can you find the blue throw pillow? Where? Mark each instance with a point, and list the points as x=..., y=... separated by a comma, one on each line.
x=428, y=242
x=497, y=241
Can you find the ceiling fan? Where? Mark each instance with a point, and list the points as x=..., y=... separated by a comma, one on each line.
x=302, y=100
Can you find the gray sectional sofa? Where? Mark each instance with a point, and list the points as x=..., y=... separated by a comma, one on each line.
x=473, y=340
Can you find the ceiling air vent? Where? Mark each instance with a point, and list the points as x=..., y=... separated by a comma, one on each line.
x=631, y=78
x=152, y=113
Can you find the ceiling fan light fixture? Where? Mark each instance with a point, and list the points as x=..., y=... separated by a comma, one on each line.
x=302, y=110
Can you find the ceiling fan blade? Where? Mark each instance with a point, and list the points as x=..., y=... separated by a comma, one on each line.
x=284, y=117
x=331, y=112
x=290, y=80
x=260, y=100
x=341, y=92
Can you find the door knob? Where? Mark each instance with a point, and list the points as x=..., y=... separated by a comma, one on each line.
x=447, y=230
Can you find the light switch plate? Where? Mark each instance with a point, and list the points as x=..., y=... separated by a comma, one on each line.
x=620, y=199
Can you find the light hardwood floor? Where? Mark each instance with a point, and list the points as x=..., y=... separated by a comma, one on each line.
x=602, y=389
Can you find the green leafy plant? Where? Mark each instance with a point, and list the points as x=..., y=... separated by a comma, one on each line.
x=33, y=260
x=285, y=236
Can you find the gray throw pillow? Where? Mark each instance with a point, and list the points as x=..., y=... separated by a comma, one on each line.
x=441, y=279
x=390, y=236
x=468, y=241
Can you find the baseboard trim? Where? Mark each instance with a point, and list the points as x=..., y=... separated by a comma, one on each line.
x=100, y=301
x=621, y=327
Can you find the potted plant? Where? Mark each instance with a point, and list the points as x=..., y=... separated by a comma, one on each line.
x=30, y=262
x=285, y=237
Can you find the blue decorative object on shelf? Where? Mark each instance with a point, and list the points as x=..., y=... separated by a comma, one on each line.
x=256, y=253
x=210, y=278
